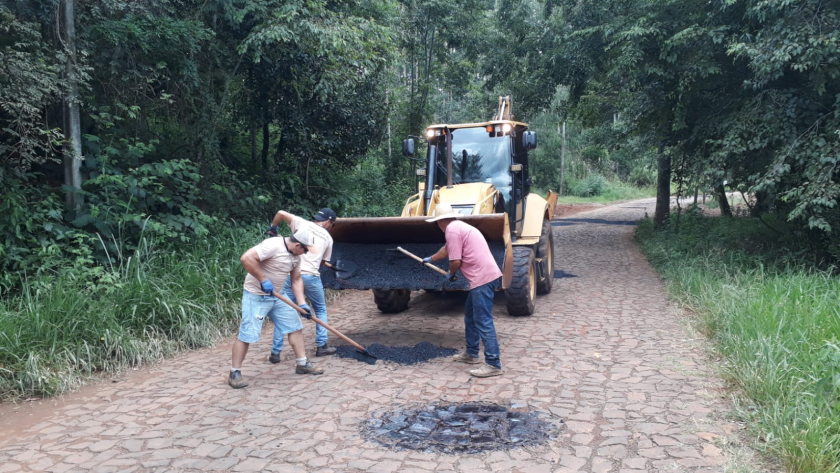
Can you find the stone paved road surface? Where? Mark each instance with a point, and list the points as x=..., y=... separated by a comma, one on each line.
x=605, y=352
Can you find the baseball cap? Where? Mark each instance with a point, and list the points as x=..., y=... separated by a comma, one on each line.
x=325, y=214
x=305, y=238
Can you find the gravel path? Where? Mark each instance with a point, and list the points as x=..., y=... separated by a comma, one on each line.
x=605, y=353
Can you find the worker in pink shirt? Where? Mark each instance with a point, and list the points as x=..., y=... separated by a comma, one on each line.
x=467, y=250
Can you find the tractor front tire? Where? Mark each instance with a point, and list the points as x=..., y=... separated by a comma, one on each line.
x=523, y=288
x=391, y=301
x=545, y=250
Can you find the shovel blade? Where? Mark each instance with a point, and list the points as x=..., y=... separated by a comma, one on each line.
x=344, y=269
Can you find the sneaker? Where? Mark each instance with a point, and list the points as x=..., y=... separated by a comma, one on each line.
x=236, y=380
x=466, y=358
x=486, y=371
x=324, y=350
x=308, y=368
x=274, y=358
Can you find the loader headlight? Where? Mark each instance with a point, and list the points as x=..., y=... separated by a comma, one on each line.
x=506, y=128
x=430, y=133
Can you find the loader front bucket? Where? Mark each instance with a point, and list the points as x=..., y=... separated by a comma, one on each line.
x=371, y=244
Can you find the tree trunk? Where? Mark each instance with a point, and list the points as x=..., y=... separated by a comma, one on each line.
x=266, y=143
x=252, y=131
x=725, y=210
x=252, y=125
x=663, y=190
x=563, y=159
x=72, y=122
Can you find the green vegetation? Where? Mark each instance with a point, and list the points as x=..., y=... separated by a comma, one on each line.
x=145, y=304
x=612, y=192
x=774, y=320
x=733, y=95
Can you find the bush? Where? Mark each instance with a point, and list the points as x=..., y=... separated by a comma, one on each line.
x=642, y=176
x=592, y=186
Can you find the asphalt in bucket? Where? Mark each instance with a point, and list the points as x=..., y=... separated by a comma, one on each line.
x=380, y=266
x=422, y=352
x=472, y=427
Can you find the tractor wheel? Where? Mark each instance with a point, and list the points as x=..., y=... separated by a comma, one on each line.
x=545, y=250
x=523, y=288
x=391, y=301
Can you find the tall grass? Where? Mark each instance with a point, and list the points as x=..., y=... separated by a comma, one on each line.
x=150, y=304
x=774, y=321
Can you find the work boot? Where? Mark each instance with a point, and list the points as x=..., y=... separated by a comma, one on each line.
x=274, y=358
x=486, y=371
x=236, y=380
x=308, y=368
x=466, y=358
x=324, y=350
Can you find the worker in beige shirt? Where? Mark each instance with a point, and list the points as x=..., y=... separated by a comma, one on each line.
x=273, y=263
x=310, y=265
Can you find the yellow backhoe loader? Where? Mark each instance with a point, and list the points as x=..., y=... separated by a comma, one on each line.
x=481, y=170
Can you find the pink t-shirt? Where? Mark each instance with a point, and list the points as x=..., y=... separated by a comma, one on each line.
x=464, y=242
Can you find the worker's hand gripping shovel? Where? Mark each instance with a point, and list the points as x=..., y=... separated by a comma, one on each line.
x=453, y=278
x=363, y=354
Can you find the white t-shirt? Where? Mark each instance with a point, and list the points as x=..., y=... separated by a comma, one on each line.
x=310, y=262
x=276, y=261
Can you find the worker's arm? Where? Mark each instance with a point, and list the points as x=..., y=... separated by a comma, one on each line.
x=440, y=255
x=282, y=216
x=454, y=265
x=251, y=262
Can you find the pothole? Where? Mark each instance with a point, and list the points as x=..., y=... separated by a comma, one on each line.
x=459, y=428
x=423, y=351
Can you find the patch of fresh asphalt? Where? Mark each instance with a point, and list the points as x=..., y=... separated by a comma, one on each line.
x=419, y=353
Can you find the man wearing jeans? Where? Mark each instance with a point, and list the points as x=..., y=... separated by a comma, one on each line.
x=274, y=262
x=310, y=264
x=467, y=250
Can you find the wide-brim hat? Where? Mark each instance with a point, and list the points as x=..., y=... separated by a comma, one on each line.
x=305, y=238
x=443, y=211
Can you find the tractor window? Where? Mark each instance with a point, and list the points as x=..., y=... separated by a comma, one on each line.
x=476, y=158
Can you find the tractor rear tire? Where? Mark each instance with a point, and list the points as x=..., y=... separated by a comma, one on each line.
x=391, y=301
x=523, y=288
x=545, y=250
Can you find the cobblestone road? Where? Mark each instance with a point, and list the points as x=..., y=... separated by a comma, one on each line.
x=605, y=352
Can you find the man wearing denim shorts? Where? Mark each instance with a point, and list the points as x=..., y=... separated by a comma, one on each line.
x=269, y=265
x=467, y=250
x=310, y=264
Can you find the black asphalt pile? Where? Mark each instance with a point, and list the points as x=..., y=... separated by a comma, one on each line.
x=423, y=351
x=458, y=428
x=379, y=268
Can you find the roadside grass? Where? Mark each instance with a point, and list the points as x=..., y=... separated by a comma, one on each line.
x=150, y=304
x=774, y=321
x=611, y=192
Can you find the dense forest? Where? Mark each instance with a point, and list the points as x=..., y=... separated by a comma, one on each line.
x=169, y=119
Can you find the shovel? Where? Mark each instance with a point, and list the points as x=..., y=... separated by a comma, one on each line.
x=343, y=269
x=420, y=260
x=361, y=353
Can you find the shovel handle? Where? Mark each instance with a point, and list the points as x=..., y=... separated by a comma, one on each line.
x=322, y=324
x=420, y=260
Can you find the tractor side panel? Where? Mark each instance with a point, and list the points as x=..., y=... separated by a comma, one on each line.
x=536, y=210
